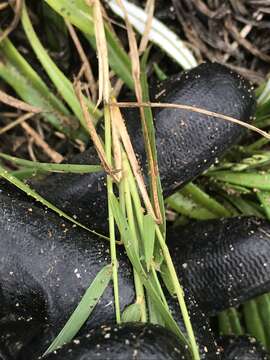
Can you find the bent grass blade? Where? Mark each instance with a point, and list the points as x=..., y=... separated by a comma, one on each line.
x=26, y=188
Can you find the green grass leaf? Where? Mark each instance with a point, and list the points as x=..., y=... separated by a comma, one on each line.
x=151, y=132
x=61, y=82
x=49, y=167
x=202, y=198
x=84, y=309
x=186, y=206
x=253, y=321
x=15, y=70
x=159, y=33
x=264, y=197
x=80, y=15
x=263, y=304
x=149, y=239
x=26, y=188
x=245, y=206
x=26, y=173
x=229, y=322
x=132, y=313
x=249, y=180
x=126, y=236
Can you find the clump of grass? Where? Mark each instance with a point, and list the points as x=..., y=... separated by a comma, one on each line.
x=142, y=233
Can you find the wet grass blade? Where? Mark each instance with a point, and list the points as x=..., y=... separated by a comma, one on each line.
x=26, y=173
x=83, y=310
x=48, y=167
x=80, y=15
x=235, y=321
x=26, y=188
x=61, y=82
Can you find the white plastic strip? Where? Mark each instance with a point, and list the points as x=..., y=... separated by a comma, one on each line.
x=159, y=34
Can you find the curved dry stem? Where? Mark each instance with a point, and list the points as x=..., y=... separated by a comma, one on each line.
x=15, y=21
x=193, y=109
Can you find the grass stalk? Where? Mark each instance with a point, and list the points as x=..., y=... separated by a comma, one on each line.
x=114, y=263
x=204, y=199
x=140, y=298
x=253, y=321
x=180, y=295
x=235, y=321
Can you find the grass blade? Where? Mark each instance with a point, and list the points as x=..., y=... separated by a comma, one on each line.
x=253, y=321
x=151, y=133
x=202, y=198
x=15, y=70
x=224, y=323
x=149, y=239
x=249, y=180
x=186, y=206
x=263, y=304
x=126, y=235
x=48, y=167
x=61, y=82
x=25, y=173
x=264, y=197
x=83, y=310
x=80, y=15
x=229, y=322
x=244, y=206
x=132, y=313
x=235, y=321
x=26, y=188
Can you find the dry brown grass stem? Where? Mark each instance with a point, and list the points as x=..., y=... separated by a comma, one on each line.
x=116, y=146
x=16, y=122
x=135, y=62
x=150, y=9
x=104, y=88
x=87, y=69
x=193, y=109
x=93, y=133
x=4, y=5
x=17, y=14
x=54, y=155
x=122, y=131
x=18, y=104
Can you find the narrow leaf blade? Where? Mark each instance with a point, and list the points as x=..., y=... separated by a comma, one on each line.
x=84, y=309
